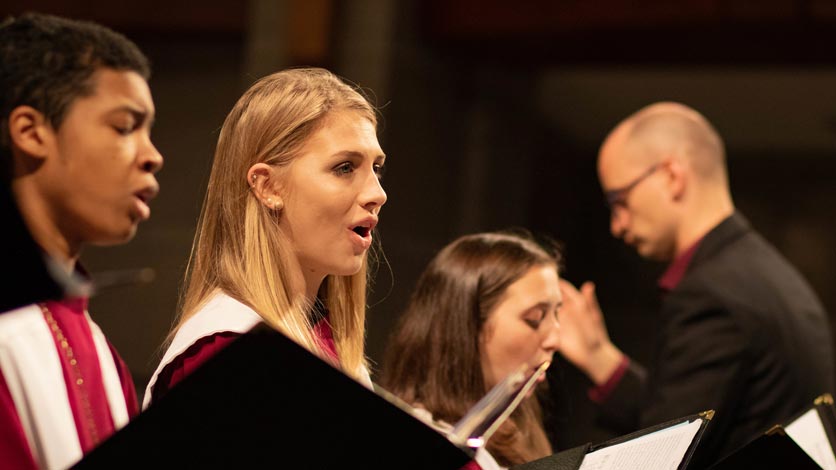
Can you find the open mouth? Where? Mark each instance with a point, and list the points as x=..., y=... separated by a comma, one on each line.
x=141, y=211
x=362, y=231
x=146, y=194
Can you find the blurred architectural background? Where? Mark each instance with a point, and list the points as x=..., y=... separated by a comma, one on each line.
x=492, y=113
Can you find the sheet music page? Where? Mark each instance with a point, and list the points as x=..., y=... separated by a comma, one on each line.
x=660, y=450
x=808, y=432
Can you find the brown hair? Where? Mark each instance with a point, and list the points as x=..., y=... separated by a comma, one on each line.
x=433, y=359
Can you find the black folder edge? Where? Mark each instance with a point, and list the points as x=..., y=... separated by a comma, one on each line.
x=823, y=404
x=780, y=449
x=827, y=412
x=204, y=420
x=572, y=459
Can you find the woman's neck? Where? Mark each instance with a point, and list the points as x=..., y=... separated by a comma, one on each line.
x=305, y=282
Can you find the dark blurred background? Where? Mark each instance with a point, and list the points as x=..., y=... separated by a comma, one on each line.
x=492, y=115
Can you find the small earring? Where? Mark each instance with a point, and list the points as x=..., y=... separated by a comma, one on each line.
x=274, y=205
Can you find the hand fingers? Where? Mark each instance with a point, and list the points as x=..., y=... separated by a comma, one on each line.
x=569, y=291
x=588, y=292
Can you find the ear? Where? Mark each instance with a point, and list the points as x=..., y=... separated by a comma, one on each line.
x=262, y=179
x=30, y=132
x=677, y=171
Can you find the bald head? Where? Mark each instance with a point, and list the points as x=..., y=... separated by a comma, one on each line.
x=668, y=129
x=663, y=170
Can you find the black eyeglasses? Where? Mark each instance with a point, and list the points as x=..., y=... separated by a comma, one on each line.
x=618, y=197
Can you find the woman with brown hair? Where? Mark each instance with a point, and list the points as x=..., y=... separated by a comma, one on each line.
x=485, y=305
x=293, y=198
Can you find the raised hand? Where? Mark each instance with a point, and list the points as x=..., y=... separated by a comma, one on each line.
x=584, y=339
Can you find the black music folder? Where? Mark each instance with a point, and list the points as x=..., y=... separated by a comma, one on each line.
x=666, y=446
x=807, y=441
x=265, y=401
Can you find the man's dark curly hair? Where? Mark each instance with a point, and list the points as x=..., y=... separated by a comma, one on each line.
x=46, y=62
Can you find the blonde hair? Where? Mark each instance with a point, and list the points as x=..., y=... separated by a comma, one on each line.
x=238, y=247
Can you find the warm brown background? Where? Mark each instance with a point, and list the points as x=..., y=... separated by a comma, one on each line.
x=492, y=114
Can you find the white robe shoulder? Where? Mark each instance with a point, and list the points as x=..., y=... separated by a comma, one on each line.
x=221, y=313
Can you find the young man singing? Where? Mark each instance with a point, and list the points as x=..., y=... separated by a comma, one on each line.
x=75, y=145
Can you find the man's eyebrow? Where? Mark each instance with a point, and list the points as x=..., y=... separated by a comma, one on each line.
x=140, y=114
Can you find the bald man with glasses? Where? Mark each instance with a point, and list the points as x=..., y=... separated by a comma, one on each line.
x=741, y=331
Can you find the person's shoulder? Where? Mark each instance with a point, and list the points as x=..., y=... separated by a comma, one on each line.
x=15, y=322
x=747, y=270
x=220, y=313
x=204, y=348
x=748, y=283
x=184, y=363
x=220, y=300
x=219, y=318
x=212, y=327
